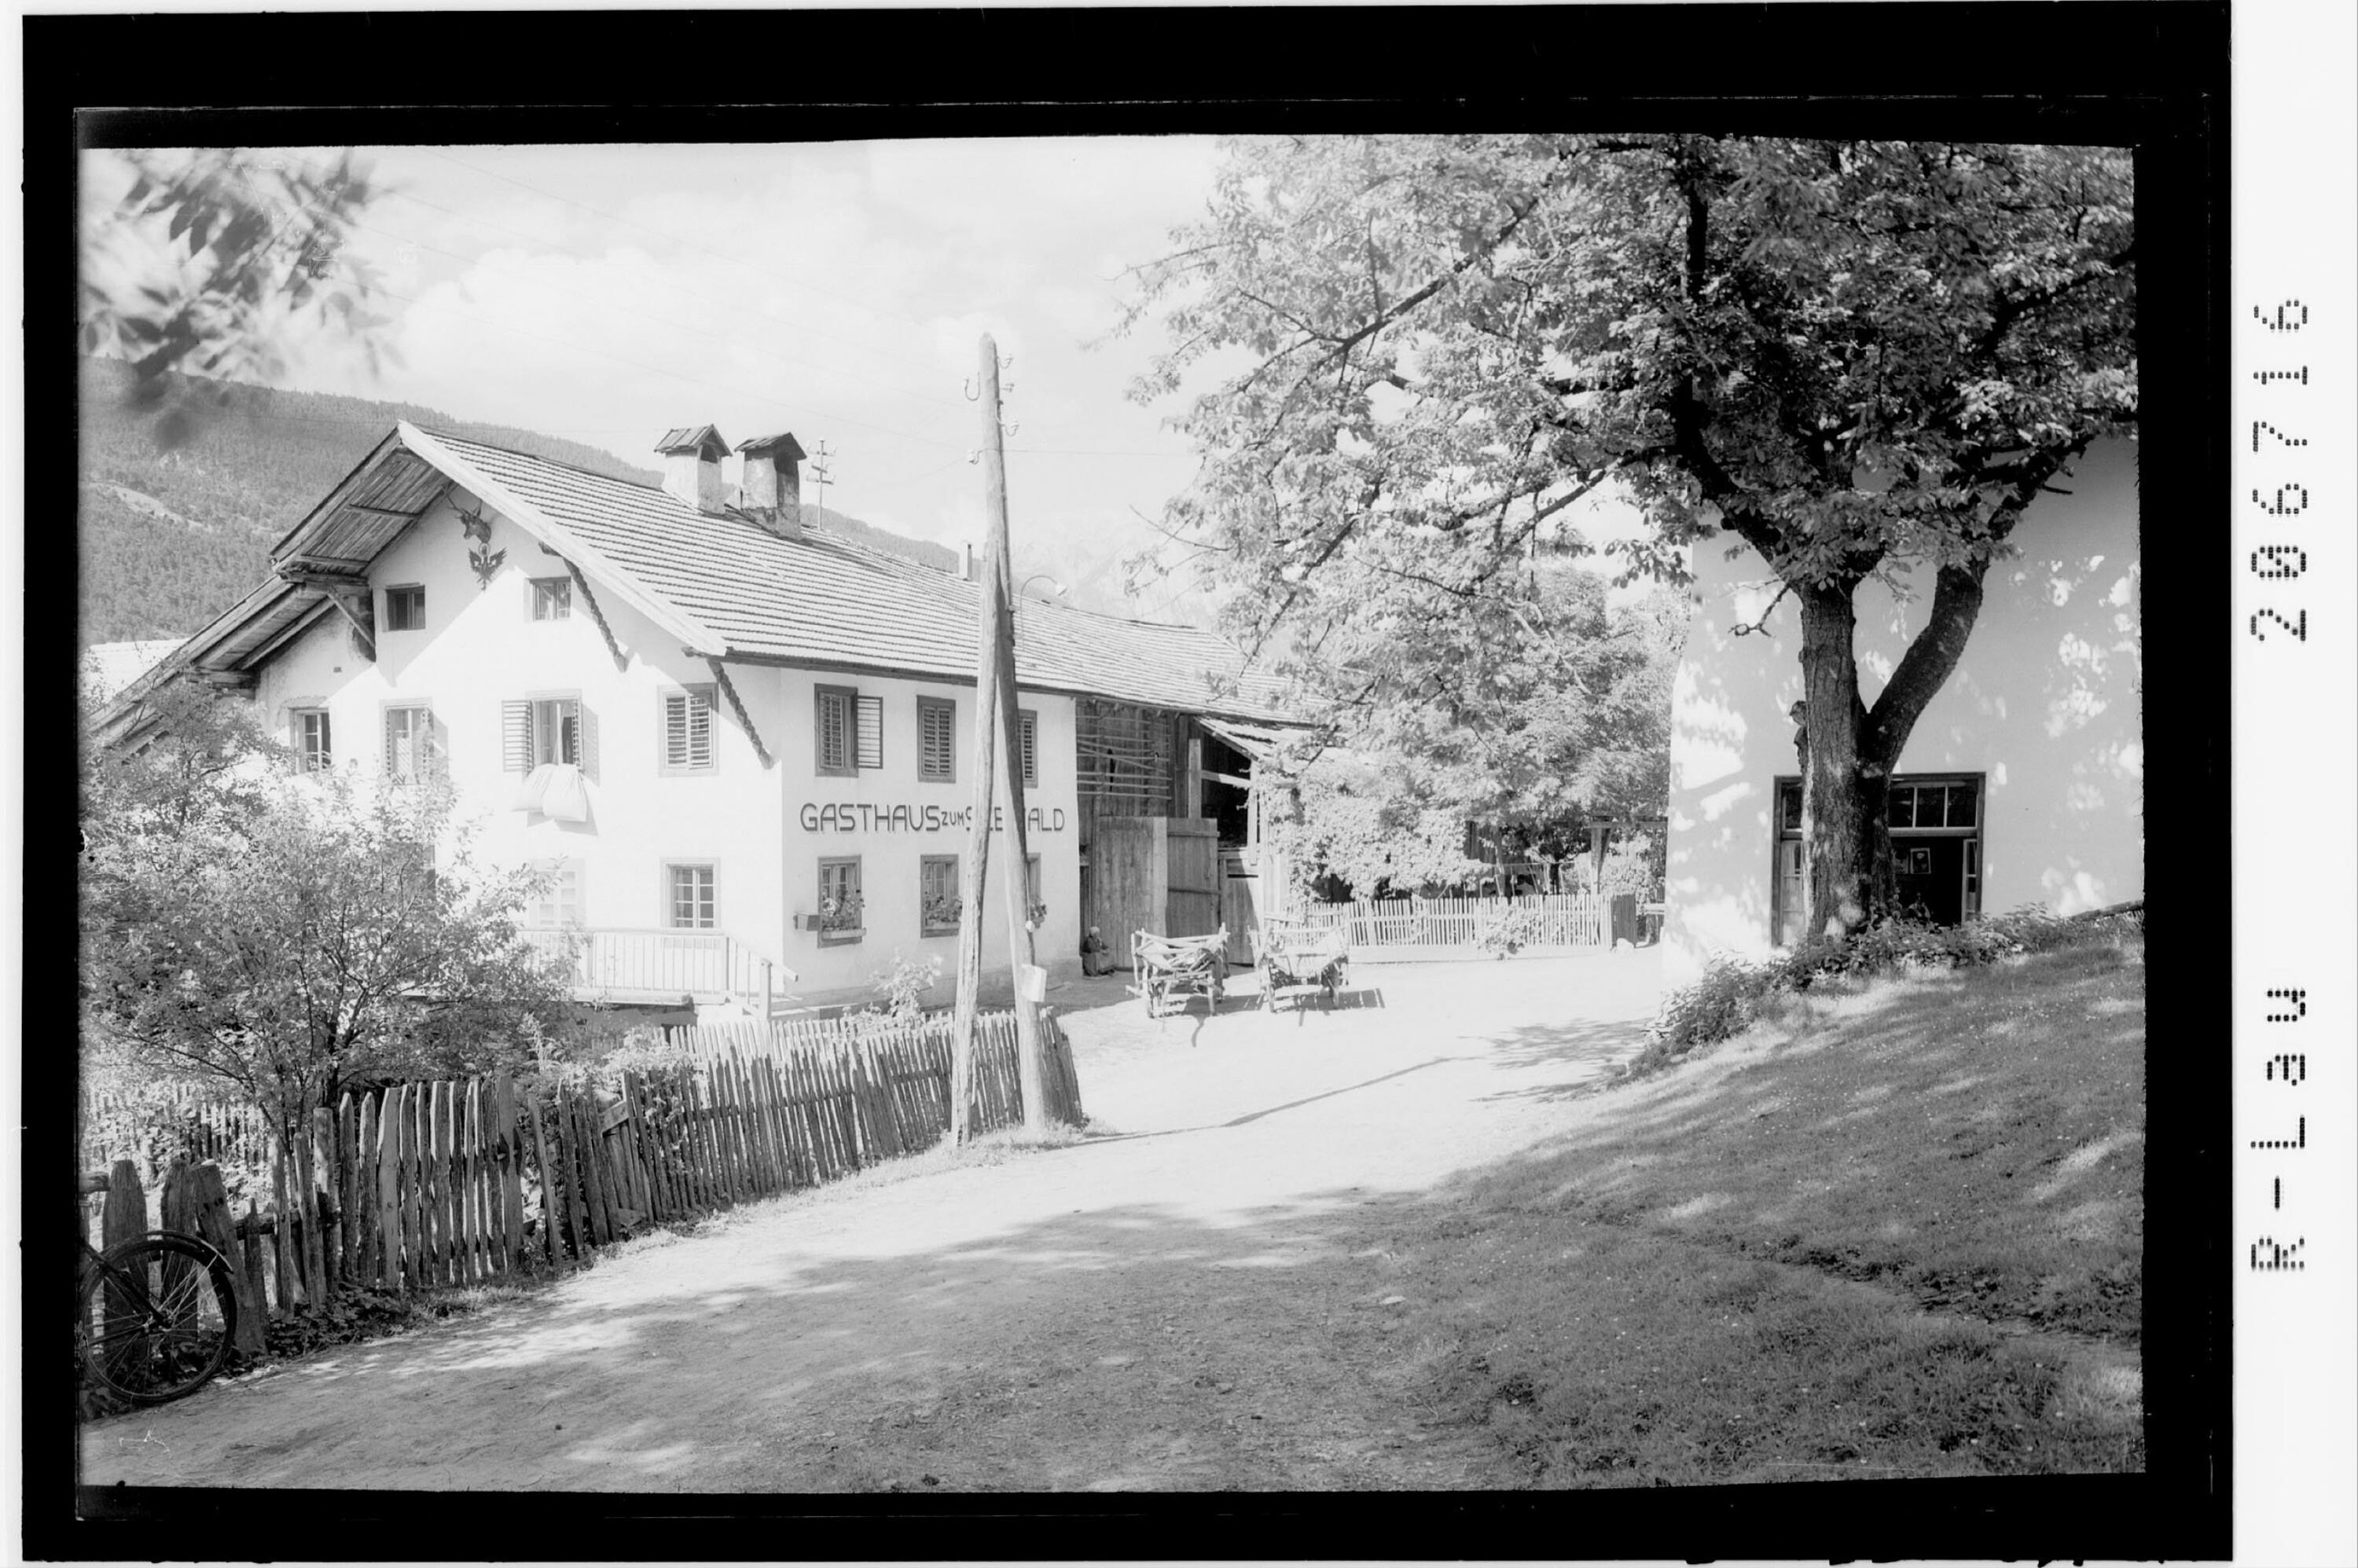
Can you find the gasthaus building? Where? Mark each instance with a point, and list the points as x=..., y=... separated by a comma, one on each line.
x=741, y=747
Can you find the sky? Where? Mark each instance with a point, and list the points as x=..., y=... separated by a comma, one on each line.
x=835, y=290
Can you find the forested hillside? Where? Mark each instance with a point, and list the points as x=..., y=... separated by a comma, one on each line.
x=170, y=539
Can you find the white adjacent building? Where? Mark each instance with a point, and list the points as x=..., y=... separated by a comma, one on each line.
x=741, y=749
x=2022, y=783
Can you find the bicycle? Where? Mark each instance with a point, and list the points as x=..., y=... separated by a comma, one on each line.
x=157, y=1315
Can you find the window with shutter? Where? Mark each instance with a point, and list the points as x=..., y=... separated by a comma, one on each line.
x=1030, y=724
x=936, y=738
x=871, y=731
x=515, y=737
x=311, y=750
x=686, y=745
x=408, y=743
x=831, y=747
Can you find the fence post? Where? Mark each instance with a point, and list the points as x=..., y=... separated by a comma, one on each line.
x=209, y=1216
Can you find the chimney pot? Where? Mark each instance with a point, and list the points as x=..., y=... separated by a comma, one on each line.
x=692, y=465
x=965, y=560
x=771, y=484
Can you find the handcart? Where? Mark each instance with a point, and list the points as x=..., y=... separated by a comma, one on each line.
x=1173, y=969
x=1298, y=960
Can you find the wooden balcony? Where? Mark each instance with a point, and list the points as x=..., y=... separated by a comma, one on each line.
x=707, y=967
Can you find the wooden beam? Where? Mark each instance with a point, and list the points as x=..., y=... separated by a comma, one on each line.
x=736, y=703
x=341, y=598
x=621, y=659
x=385, y=511
x=222, y=677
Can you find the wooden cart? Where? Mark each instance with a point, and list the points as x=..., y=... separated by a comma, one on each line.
x=1298, y=960
x=1173, y=969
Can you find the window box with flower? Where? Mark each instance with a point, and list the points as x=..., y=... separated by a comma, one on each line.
x=839, y=917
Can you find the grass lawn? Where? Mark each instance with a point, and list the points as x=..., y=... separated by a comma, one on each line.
x=1893, y=1231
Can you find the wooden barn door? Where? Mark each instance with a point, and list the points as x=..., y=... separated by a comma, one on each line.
x=1126, y=882
x=1192, y=876
x=1239, y=902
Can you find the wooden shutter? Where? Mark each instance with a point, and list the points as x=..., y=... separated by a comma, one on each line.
x=871, y=729
x=585, y=738
x=831, y=748
x=515, y=736
x=1029, y=725
x=936, y=738
x=395, y=725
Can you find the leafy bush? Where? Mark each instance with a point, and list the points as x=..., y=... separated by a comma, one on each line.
x=1511, y=932
x=1733, y=992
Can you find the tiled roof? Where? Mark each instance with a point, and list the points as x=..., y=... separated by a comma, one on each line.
x=824, y=599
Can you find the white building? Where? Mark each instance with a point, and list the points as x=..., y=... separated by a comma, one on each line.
x=2022, y=783
x=741, y=749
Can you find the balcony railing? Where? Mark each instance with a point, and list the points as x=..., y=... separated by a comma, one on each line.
x=706, y=967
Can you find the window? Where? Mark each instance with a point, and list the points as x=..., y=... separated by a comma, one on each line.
x=692, y=903
x=539, y=730
x=409, y=751
x=1030, y=724
x=840, y=908
x=939, y=897
x=936, y=738
x=833, y=746
x=686, y=744
x=404, y=609
x=558, y=901
x=311, y=751
x=551, y=599
x=1936, y=845
x=851, y=731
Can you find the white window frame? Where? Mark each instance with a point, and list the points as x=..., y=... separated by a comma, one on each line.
x=310, y=758
x=551, y=911
x=424, y=721
x=927, y=926
x=391, y=622
x=711, y=902
x=551, y=598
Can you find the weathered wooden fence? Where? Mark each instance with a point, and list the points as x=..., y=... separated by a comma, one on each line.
x=471, y=1182
x=1563, y=919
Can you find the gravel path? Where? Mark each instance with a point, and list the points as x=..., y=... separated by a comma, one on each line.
x=1183, y=1301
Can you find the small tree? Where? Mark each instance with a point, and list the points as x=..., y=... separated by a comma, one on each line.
x=331, y=936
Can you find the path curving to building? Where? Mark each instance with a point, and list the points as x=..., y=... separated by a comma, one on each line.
x=1186, y=1300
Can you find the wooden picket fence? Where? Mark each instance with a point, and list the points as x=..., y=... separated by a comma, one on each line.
x=428, y=1185
x=1565, y=919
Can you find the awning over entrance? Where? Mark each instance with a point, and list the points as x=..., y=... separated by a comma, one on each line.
x=1277, y=750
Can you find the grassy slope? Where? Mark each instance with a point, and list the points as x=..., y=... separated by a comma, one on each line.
x=1894, y=1232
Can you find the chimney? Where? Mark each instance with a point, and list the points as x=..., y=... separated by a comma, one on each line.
x=771, y=486
x=692, y=466
x=966, y=561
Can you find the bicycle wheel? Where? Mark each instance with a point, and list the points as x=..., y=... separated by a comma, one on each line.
x=156, y=1317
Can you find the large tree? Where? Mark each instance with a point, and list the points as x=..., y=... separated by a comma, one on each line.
x=1854, y=357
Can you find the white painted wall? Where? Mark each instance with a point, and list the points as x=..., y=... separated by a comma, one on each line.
x=2046, y=702
x=479, y=647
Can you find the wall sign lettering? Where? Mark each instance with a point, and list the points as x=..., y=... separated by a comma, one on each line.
x=862, y=817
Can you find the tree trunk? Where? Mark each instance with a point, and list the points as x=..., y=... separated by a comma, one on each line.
x=1836, y=825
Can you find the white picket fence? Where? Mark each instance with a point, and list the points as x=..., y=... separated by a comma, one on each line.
x=1565, y=919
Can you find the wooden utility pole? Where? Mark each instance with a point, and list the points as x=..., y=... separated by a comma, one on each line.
x=997, y=774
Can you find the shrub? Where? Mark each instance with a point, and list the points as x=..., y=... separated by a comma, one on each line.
x=1732, y=992
x=1511, y=932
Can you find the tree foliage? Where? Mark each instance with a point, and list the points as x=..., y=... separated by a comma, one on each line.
x=210, y=259
x=290, y=936
x=1425, y=350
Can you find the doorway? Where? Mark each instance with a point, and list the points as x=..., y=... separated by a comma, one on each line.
x=1936, y=842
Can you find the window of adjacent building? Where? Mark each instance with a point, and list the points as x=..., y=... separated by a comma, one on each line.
x=408, y=743
x=841, y=910
x=1029, y=725
x=404, y=609
x=686, y=743
x=936, y=738
x=311, y=750
x=692, y=903
x=558, y=901
x=851, y=731
x=537, y=730
x=938, y=895
x=551, y=599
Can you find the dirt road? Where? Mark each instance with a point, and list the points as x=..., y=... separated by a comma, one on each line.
x=1186, y=1303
